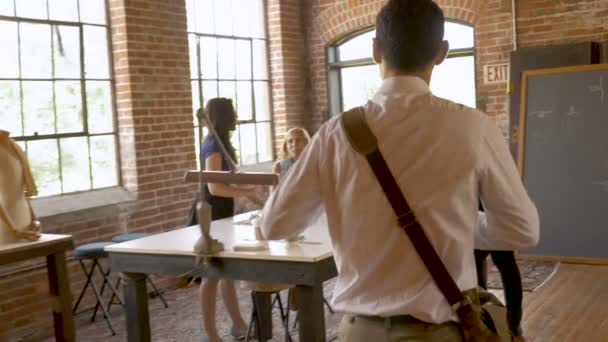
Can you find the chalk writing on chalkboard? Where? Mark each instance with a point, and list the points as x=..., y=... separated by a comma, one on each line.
x=572, y=112
x=541, y=114
x=599, y=88
x=571, y=115
x=603, y=185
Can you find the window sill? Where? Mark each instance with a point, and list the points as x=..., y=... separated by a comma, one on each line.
x=47, y=207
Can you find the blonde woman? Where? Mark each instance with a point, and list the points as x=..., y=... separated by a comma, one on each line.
x=294, y=143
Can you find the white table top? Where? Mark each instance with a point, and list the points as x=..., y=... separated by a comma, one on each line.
x=45, y=240
x=230, y=231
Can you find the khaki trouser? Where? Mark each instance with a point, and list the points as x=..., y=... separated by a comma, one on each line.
x=392, y=329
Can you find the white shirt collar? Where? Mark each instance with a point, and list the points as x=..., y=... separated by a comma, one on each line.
x=402, y=84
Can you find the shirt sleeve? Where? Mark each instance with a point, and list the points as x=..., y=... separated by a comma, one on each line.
x=296, y=203
x=209, y=147
x=511, y=220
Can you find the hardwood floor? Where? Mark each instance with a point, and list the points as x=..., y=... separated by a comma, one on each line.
x=572, y=306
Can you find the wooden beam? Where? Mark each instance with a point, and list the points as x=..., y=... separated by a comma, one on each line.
x=226, y=177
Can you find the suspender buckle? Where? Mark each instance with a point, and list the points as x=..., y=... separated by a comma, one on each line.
x=407, y=219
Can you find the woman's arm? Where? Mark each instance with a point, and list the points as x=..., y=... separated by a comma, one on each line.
x=276, y=168
x=214, y=163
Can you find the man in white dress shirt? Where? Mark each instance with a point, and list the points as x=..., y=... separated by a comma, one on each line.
x=445, y=158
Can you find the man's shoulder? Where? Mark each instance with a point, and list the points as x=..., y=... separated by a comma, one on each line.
x=444, y=105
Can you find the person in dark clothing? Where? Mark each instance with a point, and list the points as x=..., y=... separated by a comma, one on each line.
x=221, y=197
x=511, y=280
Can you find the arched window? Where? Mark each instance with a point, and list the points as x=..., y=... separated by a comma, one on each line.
x=354, y=78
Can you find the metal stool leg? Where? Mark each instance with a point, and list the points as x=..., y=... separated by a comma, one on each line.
x=111, y=301
x=89, y=274
x=108, y=281
x=284, y=316
x=103, y=308
x=160, y=295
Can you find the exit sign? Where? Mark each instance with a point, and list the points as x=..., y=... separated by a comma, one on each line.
x=495, y=73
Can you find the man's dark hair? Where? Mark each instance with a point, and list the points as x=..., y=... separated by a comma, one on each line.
x=409, y=33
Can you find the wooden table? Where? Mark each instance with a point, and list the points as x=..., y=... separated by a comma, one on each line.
x=307, y=264
x=53, y=247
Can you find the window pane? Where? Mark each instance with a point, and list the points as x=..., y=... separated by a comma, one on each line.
x=99, y=106
x=242, y=16
x=44, y=162
x=38, y=107
x=31, y=9
x=103, y=161
x=66, y=51
x=93, y=11
x=96, y=52
x=209, y=57
x=357, y=47
x=459, y=36
x=227, y=89
x=264, y=142
x=260, y=61
x=248, y=142
x=235, y=140
x=258, y=26
x=6, y=8
x=65, y=10
x=461, y=69
x=359, y=84
x=243, y=59
x=9, y=58
x=196, y=101
x=205, y=20
x=190, y=12
x=193, y=56
x=10, y=108
x=68, y=104
x=209, y=91
x=75, y=164
x=225, y=49
x=262, y=101
x=35, y=50
x=244, y=103
x=223, y=17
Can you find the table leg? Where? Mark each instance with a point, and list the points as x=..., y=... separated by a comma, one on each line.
x=59, y=284
x=136, y=307
x=264, y=310
x=310, y=313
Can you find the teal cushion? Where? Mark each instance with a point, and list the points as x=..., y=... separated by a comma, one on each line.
x=92, y=250
x=128, y=237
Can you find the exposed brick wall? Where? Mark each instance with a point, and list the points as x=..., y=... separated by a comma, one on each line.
x=154, y=113
x=539, y=23
x=288, y=71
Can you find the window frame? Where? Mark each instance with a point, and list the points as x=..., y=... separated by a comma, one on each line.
x=82, y=80
x=335, y=65
x=251, y=80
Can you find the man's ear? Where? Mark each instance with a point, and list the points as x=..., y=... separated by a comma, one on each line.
x=377, y=51
x=442, y=52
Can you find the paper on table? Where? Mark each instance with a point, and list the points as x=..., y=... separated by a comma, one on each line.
x=251, y=246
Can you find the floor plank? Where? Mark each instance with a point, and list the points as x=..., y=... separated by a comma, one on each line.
x=572, y=306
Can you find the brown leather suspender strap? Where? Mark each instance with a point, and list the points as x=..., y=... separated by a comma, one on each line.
x=363, y=141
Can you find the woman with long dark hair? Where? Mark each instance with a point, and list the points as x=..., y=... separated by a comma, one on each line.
x=221, y=197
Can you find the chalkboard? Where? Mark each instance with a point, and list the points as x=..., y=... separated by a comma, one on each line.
x=563, y=158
